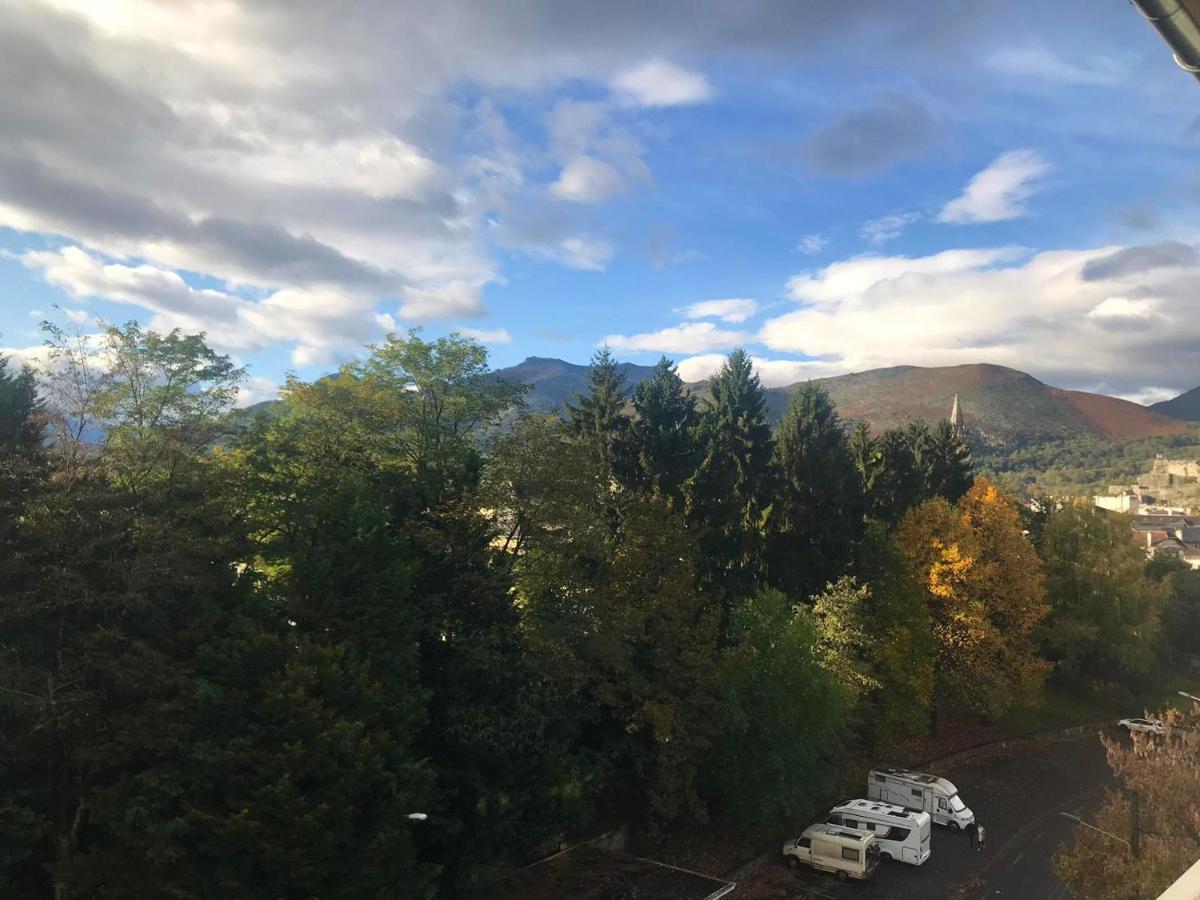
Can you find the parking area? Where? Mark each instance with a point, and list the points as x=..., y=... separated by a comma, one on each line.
x=1017, y=793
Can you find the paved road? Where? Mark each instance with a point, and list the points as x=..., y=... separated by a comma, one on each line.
x=1017, y=795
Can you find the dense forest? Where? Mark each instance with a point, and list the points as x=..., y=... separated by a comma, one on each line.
x=238, y=665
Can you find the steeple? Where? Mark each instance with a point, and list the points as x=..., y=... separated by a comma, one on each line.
x=955, y=416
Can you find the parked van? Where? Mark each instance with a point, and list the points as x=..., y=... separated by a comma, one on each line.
x=845, y=851
x=916, y=790
x=902, y=834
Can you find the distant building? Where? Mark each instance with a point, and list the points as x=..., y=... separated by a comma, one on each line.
x=1128, y=500
x=1168, y=535
x=956, y=419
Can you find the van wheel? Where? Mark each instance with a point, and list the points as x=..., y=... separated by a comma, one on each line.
x=793, y=862
x=953, y=826
x=887, y=856
x=841, y=874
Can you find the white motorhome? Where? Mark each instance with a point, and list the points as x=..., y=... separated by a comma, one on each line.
x=844, y=851
x=916, y=790
x=902, y=834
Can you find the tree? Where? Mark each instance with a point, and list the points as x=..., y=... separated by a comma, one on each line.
x=1105, y=611
x=630, y=638
x=1007, y=577
x=363, y=495
x=660, y=450
x=817, y=511
x=986, y=595
x=1147, y=832
x=598, y=418
x=729, y=496
x=843, y=650
x=784, y=715
x=945, y=462
x=1181, y=613
x=901, y=652
x=21, y=412
x=892, y=482
x=165, y=727
x=430, y=400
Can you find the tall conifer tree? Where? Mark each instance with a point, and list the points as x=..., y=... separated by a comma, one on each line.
x=660, y=450
x=729, y=495
x=817, y=516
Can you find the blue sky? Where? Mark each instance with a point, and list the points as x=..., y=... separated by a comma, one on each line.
x=859, y=185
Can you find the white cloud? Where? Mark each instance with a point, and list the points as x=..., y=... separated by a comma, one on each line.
x=591, y=254
x=691, y=337
x=256, y=389
x=1123, y=308
x=734, y=310
x=325, y=323
x=587, y=180
x=451, y=300
x=771, y=372
x=661, y=83
x=1037, y=62
x=886, y=228
x=1071, y=317
x=488, y=336
x=998, y=192
x=811, y=244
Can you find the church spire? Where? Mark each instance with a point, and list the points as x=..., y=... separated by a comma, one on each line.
x=956, y=421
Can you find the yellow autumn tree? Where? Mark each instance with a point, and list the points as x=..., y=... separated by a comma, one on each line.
x=1008, y=580
x=942, y=553
x=986, y=594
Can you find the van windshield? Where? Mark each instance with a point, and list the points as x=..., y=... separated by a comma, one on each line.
x=956, y=804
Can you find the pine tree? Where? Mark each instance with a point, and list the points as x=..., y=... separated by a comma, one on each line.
x=896, y=482
x=945, y=461
x=21, y=411
x=660, y=451
x=817, y=515
x=598, y=418
x=728, y=497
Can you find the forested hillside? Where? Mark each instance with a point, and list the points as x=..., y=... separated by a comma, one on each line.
x=372, y=646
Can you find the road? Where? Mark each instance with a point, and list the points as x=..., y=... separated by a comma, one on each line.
x=1017, y=794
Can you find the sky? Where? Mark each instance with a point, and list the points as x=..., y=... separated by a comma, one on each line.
x=832, y=186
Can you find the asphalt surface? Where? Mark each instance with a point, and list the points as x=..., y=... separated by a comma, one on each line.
x=1017, y=794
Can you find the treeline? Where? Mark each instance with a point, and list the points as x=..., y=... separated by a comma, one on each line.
x=248, y=665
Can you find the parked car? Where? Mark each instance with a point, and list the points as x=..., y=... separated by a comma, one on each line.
x=1143, y=726
x=847, y=852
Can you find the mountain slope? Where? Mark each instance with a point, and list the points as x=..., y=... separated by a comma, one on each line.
x=553, y=382
x=1002, y=406
x=1185, y=406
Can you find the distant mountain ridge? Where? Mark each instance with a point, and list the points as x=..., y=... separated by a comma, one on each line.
x=1185, y=406
x=1001, y=405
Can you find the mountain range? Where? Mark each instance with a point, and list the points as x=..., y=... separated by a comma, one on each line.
x=1185, y=406
x=1001, y=405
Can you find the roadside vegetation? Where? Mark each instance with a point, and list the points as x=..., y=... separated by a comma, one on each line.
x=244, y=662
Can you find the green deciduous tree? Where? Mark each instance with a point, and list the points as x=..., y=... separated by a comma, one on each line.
x=784, y=715
x=1105, y=611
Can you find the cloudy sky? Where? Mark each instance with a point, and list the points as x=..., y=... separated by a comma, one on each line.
x=834, y=186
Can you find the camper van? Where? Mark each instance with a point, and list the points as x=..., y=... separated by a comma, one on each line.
x=902, y=834
x=831, y=848
x=916, y=790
